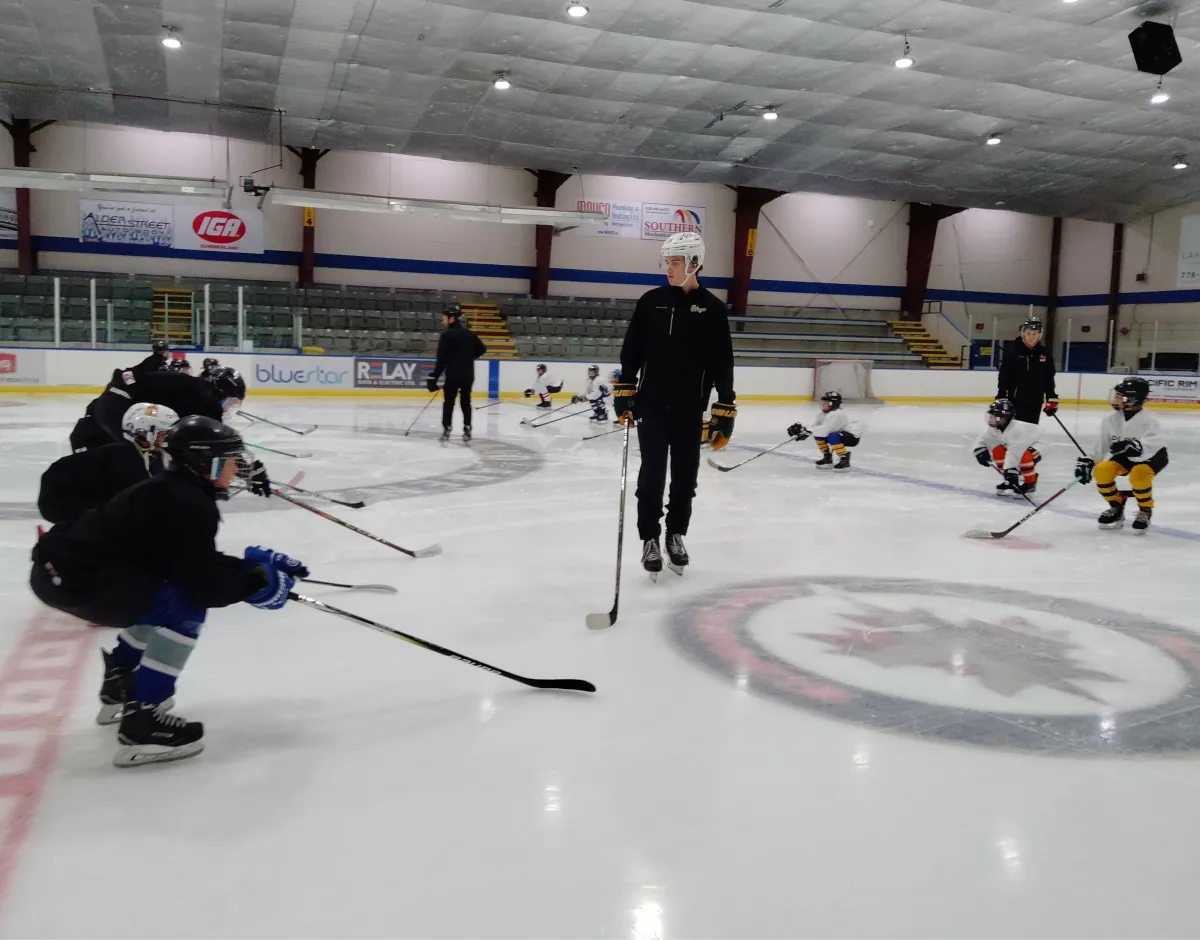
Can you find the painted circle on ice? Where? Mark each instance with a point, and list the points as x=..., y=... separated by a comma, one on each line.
x=960, y=663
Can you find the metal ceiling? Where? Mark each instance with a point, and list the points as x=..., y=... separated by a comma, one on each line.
x=636, y=88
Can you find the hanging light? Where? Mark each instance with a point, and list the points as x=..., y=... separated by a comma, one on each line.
x=577, y=10
x=770, y=114
x=993, y=140
x=501, y=82
x=906, y=60
x=1180, y=163
x=169, y=39
x=1159, y=96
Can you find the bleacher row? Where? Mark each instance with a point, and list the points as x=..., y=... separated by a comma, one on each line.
x=406, y=322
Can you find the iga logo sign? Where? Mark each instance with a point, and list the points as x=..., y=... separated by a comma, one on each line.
x=219, y=227
x=8, y=363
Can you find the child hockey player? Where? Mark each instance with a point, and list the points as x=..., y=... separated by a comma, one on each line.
x=209, y=366
x=595, y=394
x=146, y=561
x=1130, y=444
x=544, y=387
x=995, y=448
x=180, y=365
x=836, y=430
x=78, y=482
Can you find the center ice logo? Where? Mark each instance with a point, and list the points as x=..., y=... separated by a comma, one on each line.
x=218, y=227
x=954, y=662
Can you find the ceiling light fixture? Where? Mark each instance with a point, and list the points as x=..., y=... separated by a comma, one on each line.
x=21, y=178
x=770, y=114
x=169, y=39
x=577, y=10
x=501, y=82
x=993, y=140
x=1180, y=163
x=906, y=60
x=1159, y=96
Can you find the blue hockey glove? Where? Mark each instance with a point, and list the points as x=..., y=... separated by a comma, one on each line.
x=275, y=594
x=1127, y=448
x=268, y=558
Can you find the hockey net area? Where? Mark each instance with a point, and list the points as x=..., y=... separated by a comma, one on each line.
x=851, y=377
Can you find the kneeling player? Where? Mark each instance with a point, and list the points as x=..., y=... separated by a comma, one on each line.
x=147, y=562
x=1130, y=444
x=595, y=394
x=836, y=431
x=1017, y=461
x=544, y=387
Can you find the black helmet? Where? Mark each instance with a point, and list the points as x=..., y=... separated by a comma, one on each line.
x=160, y=346
x=452, y=310
x=196, y=442
x=1002, y=408
x=210, y=364
x=1032, y=323
x=228, y=383
x=834, y=399
x=541, y=368
x=1133, y=391
x=180, y=365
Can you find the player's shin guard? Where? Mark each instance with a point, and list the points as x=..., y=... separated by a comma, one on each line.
x=1105, y=475
x=166, y=655
x=1141, y=477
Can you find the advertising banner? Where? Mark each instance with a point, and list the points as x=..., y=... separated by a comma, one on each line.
x=300, y=372
x=1174, y=388
x=660, y=220
x=22, y=367
x=624, y=219
x=8, y=213
x=125, y=223
x=391, y=373
x=212, y=228
x=1189, y=252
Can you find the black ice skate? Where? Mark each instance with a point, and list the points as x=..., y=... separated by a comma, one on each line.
x=652, y=558
x=115, y=691
x=677, y=556
x=445, y=435
x=599, y=416
x=1141, y=521
x=543, y=404
x=1113, y=517
x=843, y=464
x=1026, y=489
x=467, y=434
x=825, y=462
x=1005, y=489
x=149, y=734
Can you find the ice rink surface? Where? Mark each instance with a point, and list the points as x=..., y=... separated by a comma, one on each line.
x=846, y=720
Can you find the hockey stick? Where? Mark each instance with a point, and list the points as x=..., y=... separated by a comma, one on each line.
x=602, y=621
x=378, y=588
x=329, y=499
x=299, y=455
x=714, y=464
x=1069, y=434
x=420, y=553
x=573, y=414
x=421, y=412
x=569, y=685
x=548, y=413
x=985, y=534
x=490, y=404
x=604, y=434
x=275, y=424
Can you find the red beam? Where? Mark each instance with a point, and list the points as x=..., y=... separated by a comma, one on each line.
x=750, y=200
x=548, y=182
x=923, y=219
x=22, y=130
x=309, y=157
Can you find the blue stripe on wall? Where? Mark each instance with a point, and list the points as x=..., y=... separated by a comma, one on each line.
x=521, y=272
x=493, y=378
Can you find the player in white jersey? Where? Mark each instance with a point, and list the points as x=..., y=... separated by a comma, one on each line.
x=1018, y=460
x=544, y=387
x=836, y=431
x=1130, y=444
x=595, y=394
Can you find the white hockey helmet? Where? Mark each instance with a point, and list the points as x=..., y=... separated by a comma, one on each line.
x=686, y=245
x=144, y=424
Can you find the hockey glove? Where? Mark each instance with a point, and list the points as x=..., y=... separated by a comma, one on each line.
x=798, y=432
x=1012, y=476
x=256, y=555
x=720, y=418
x=1130, y=447
x=275, y=594
x=982, y=455
x=1051, y=407
x=1083, y=469
x=431, y=383
x=528, y=393
x=624, y=401
x=577, y=399
x=705, y=432
x=255, y=475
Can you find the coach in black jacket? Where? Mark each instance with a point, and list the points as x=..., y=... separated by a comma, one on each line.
x=458, y=348
x=1027, y=374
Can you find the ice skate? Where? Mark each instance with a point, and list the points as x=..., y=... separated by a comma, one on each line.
x=467, y=434
x=825, y=462
x=652, y=558
x=677, y=556
x=1006, y=490
x=445, y=435
x=1113, y=517
x=1141, y=521
x=843, y=464
x=544, y=404
x=1027, y=489
x=115, y=691
x=149, y=734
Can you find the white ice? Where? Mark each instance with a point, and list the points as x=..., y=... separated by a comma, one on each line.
x=355, y=785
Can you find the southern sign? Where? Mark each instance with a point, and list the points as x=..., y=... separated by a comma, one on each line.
x=660, y=220
x=624, y=220
x=391, y=373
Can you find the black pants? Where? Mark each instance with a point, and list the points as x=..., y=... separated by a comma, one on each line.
x=450, y=391
x=88, y=434
x=1028, y=411
x=674, y=436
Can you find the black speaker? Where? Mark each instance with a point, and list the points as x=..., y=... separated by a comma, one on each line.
x=1154, y=48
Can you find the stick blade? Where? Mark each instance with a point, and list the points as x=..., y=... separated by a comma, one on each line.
x=428, y=552
x=567, y=685
x=983, y=534
x=601, y=621
x=377, y=588
x=716, y=466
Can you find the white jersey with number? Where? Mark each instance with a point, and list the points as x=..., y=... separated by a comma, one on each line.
x=597, y=390
x=1142, y=427
x=1016, y=438
x=836, y=421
